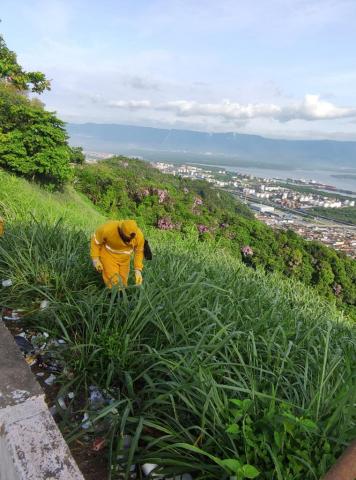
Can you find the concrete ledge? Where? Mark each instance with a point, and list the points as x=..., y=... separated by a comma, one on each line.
x=31, y=446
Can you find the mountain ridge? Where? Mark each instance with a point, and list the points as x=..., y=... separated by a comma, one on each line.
x=233, y=147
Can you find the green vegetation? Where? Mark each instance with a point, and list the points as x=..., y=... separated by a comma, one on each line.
x=33, y=142
x=20, y=200
x=121, y=187
x=212, y=368
x=12, y=73
x=347, y=214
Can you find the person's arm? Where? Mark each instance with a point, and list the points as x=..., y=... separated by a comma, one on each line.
x=345, y=467
x=138, y=260
x=138, y=249
x=96, y=243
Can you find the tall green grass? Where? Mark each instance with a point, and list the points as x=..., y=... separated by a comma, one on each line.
x=19, y=199
x=208, y=364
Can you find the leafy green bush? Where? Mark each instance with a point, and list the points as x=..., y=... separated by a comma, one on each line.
x=33, y=142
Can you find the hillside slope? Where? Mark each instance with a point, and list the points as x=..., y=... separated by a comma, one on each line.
x=19, y=199
x=123, y=187
x=213, y=368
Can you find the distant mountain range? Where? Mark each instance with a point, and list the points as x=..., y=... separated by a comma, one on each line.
x=232, y=149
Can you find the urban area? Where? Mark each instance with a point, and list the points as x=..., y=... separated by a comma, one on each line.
x=279, y=204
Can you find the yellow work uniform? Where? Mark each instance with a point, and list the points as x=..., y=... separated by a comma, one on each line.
x=114, y=253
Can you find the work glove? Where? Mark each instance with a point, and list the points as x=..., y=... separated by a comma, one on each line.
x=97, y=264
x=138, y=277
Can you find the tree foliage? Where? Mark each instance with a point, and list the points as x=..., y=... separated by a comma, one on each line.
x=77, y=155
x=33, y=141
x=11, y=72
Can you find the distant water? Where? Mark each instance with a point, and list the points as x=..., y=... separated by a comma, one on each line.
x=325, y=176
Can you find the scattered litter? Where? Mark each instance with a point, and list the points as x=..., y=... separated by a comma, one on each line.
x=50, y=380
x=85, y=422
x=147, y=468
x=50, y=364
x=53, y=410
x=24, y=345
x=6, y=283
x=44, y=304
x=98, y=444
x=62, y=403
x=10, y=314
x=22, y=334
x=61, y=341
x=96, y=397
x=31, y=360
x=40, y=374
x=39, y=341
x=71, y=395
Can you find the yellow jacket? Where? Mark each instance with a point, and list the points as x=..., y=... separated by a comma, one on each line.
x=107, y=236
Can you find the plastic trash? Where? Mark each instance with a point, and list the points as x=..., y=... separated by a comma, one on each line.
x=96, y=398
x=53, y=410
x=44, y=304
x=98, y=444
x=10, y=314
x=147, y=468
x=71, y=395
x=50, y=364
x=85, y=422
x=50, y=380
x=6, y=283
x=62, y=403
x=24, y=345
x=61, y=341
x=31, y=360
x=40, y=374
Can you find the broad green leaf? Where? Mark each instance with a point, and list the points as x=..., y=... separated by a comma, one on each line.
x=233, y=429
x=250, y=471
x=233, y=465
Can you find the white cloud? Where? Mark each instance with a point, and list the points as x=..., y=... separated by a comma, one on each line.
x=312, y=107
x=130, y=104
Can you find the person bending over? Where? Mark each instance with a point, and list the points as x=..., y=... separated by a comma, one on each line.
x=111, y=248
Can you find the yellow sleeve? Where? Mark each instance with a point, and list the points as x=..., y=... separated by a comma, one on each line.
x=96, y=242
x=140, y=242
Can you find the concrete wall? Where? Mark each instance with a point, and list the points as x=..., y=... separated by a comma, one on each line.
x=31, y=446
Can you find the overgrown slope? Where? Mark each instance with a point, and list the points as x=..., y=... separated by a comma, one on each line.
x=123, y=187
x=212, y=367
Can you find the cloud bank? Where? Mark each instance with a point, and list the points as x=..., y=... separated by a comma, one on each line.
x=311, y=108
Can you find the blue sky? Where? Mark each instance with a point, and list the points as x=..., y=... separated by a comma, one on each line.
x=281, y=68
